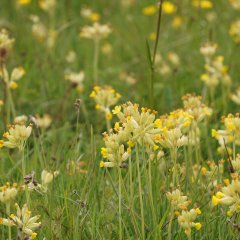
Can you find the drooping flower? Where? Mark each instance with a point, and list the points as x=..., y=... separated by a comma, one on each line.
x=25, y=224
x=187, y=219
x=96, y=31
x=229, y=196
x=16, y=136
x=8, y=193
x=105, y=97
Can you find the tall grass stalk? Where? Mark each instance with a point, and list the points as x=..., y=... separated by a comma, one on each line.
x=140, y=193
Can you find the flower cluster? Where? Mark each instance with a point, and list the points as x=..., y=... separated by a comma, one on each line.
x=25, y=224
x=105, y=97
x=8, y=193
x=186, y=218
x=76, y=78
x=230, y=196
x=234, y=31
x=96, y=31
x=16, y=136
x=11, y=79
x=215, y=70
x=235, y=4
x=235, y=97
x=231, y=131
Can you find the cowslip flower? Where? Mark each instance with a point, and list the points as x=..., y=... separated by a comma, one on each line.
x=115, y=151
x=149, y=10
x=234, y=31
x=6, y=44
x=96, y=31
x=43, y=122
x=187, y=219
x=23, y=2
x=88, y=13
x=229, y=196
x=76, y=78
x=235, y=4
x=178, y=200
x=47, y=5
x=204, y=4
x=11, y=80
x=105, y=97
x=168, y=7
x=16, y=136
x=235, y=97
x=25, y=224
x=8, y=193
x=46, y=178
x=231, y=131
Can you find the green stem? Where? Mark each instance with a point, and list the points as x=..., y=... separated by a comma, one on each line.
x=170, y=226
x=24, y=174
x=140, y=193
x=95, y=61
x=120, y=203
x=151, y=194
x=8, y=210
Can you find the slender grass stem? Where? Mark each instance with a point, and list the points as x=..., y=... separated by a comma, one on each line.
x=95, y=61
x=120, y=202
x=8, y=210
x=140, y=193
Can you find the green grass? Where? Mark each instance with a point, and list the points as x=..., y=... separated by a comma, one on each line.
x=86, y=206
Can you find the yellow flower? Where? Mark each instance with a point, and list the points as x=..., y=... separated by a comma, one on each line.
x=116, y=110
x=204, y=4
x=150, y=10
x=226, y=181
x=177, y=22
x=13, y=85
x=168, y=7
x=198, y=226
x=152, y=36
x=23, y=2
x=108, y=116
x=215, y=200
x=198, y=211
x=104, y=152
x=94, y=17
x=203, y=170
x=102, y=164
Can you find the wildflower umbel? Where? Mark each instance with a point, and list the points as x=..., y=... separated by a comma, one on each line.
x=229, y=196
x=8, y=192
x=187, y=219
x=96, y=31
x=105, y=97
x=25, y=224
x=16, y=136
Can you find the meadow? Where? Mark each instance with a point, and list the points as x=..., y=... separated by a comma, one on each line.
x=119, y=119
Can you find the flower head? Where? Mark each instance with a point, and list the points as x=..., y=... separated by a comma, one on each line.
x=16, y=136
x=26, y=224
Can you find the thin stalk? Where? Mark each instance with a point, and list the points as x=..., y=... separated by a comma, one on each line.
x=8, y=210
x=140, y=193
x=131, y=181
x=24, y=174
x=170, y=225
x=174, y=157
x=120, y=203
x=154, y=54
x=95, y=61
x=150, y=193
x=108, y=122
